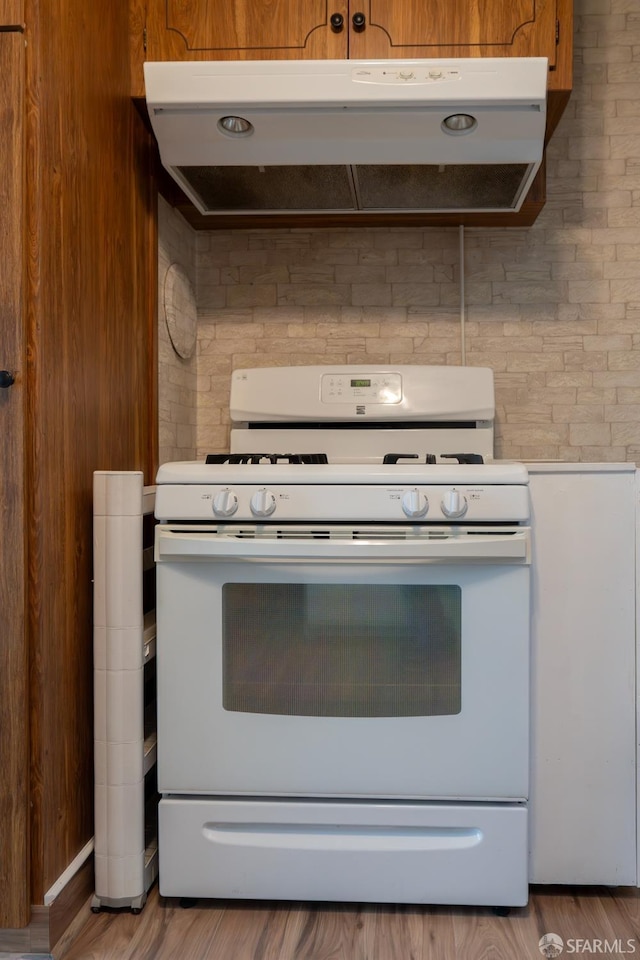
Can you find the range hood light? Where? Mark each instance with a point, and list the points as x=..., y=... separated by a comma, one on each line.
x=235, y=126
x=459, y=123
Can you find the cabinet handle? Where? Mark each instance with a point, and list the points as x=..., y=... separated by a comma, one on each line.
x=6, y=379
x=358, y=20
x=337, y=22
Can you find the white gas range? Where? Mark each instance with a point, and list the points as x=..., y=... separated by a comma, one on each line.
x=343, y=645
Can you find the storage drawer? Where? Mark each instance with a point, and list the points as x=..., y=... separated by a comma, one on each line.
x=407, y=852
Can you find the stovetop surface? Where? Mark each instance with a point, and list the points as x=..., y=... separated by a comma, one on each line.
x=410, y=472
x=313, y=458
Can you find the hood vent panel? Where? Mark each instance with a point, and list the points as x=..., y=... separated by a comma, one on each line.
x=342, y=136
x=464, y=186
x=252, y=189
x=375, y=188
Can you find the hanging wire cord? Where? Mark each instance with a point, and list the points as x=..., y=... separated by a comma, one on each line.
x=463, y=346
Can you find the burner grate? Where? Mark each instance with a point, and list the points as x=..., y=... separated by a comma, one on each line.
x=266, y=458
x=463, y=457
x=314, y=458
x=394, y=457
x=431, y=459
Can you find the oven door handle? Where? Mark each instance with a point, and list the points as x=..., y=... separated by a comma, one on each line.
x=505, y=548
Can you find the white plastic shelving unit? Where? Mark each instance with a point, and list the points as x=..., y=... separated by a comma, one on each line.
x=124, y=638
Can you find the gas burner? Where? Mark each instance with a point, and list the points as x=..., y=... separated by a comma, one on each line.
x=395, y=457
x=463, y=457
x=266, y=458
x=431, y=458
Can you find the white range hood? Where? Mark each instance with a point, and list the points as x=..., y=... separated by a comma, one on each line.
x=265, y=137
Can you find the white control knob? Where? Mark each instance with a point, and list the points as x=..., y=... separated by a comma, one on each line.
x=225, y=503
x=263, y=503
x=454, y=504
x=414, y=503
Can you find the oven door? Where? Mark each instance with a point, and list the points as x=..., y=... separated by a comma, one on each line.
x=337, y=663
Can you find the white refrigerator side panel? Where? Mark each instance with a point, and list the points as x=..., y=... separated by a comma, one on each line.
x=583, y=787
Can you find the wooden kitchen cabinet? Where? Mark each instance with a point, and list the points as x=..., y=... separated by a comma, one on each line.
x=288, y=30
x=459, y=28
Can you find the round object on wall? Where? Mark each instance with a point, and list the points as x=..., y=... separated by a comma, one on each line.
x=180, y=313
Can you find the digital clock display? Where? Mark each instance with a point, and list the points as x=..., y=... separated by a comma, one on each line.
x=361, y=383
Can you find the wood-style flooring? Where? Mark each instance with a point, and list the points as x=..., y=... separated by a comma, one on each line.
x=590, y=920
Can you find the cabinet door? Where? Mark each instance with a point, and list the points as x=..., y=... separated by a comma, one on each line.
x=244, y=30
x=455, y=28
x=14, y=726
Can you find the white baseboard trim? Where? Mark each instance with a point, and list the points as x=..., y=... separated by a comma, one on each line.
x=64, y=878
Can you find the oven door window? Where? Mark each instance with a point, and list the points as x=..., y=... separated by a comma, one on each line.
x=342, y=650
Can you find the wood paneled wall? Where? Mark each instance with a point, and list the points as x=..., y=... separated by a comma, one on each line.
x=14, y=669
x=90, y=307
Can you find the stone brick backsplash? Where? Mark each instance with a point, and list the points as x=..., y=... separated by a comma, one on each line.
x=177, y=378
x=553, y=309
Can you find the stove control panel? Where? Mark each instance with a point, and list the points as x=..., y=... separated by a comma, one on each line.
x=311, y=503
x=357, y=388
